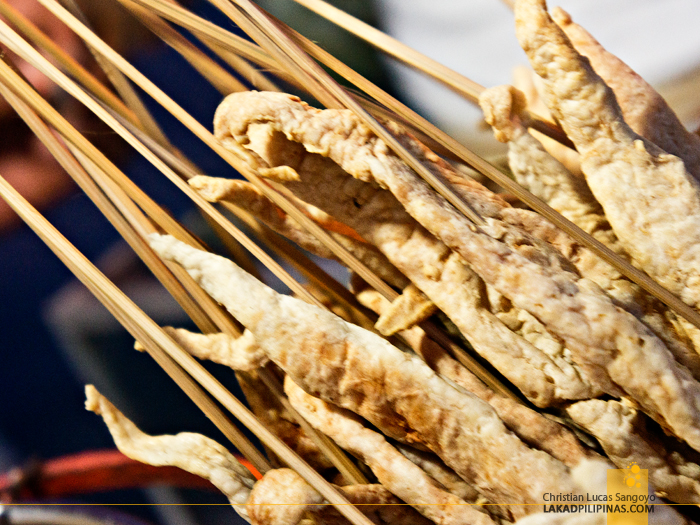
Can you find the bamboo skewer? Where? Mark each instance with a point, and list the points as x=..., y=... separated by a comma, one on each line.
x=458, y=83
x=126, y=230
x=485, y=168
x=30, y=55
x=334, y=454
x=217, y=76
x=120, y=83
x=10, y=76
x=168, y=354
x=321, y=85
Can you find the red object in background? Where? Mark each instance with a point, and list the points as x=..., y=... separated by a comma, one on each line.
x=90, y=472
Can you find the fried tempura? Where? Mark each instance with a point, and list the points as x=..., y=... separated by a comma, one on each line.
x=621, y=431
x=358, y=370
x=643, y=109
x=194, y=453
x=402, y=477
x=649, y=198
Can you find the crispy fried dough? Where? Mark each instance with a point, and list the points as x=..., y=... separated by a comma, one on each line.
x=536, y=170
x=650, y=200
x=533, y=428
x=441, y=274
x=607, y=343
x=240, y=353
x=194, y=453
x=643, y=109
x=621, y=431
x=569, y=195
x=408, y=309
x=246, y=196
x=358, y=370
x=282, y=497
x=403, y=478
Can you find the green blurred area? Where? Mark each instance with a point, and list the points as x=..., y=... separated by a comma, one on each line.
x=351, y=50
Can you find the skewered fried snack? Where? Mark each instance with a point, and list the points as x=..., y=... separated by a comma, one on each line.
x=643, y=109
x=621, y=431
x=407, y=310
x=536, y=170
x=245, y=195
x=197, y=454
x=532, y=427
x=240, y=353
x=570, y=196
x=191, y=452
x=649, y=198
x=440, y=273
x=399, y=475
x=282, y=497
x=525, y=80
x=358, y=370
x=610, y=345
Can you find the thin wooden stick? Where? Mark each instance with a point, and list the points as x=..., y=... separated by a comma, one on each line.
x=420, y=62
x=484, y=167
x=158, y=344
x=221, y=79
x=68, y=63
x=121, y=84
x=28, y=53
x=207, y=30
x=228, y=46
x=41, y=107
x=126, y=230
x=120, y=306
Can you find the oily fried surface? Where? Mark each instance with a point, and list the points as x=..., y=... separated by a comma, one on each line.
x=621, y=431
x=646, y=112
x=399, y=475
x=358, y=370
x=650, y=200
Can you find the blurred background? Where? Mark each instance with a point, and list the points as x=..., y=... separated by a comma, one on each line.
x=55, y=337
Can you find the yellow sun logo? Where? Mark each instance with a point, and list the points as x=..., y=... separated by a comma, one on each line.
x=632, y=475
